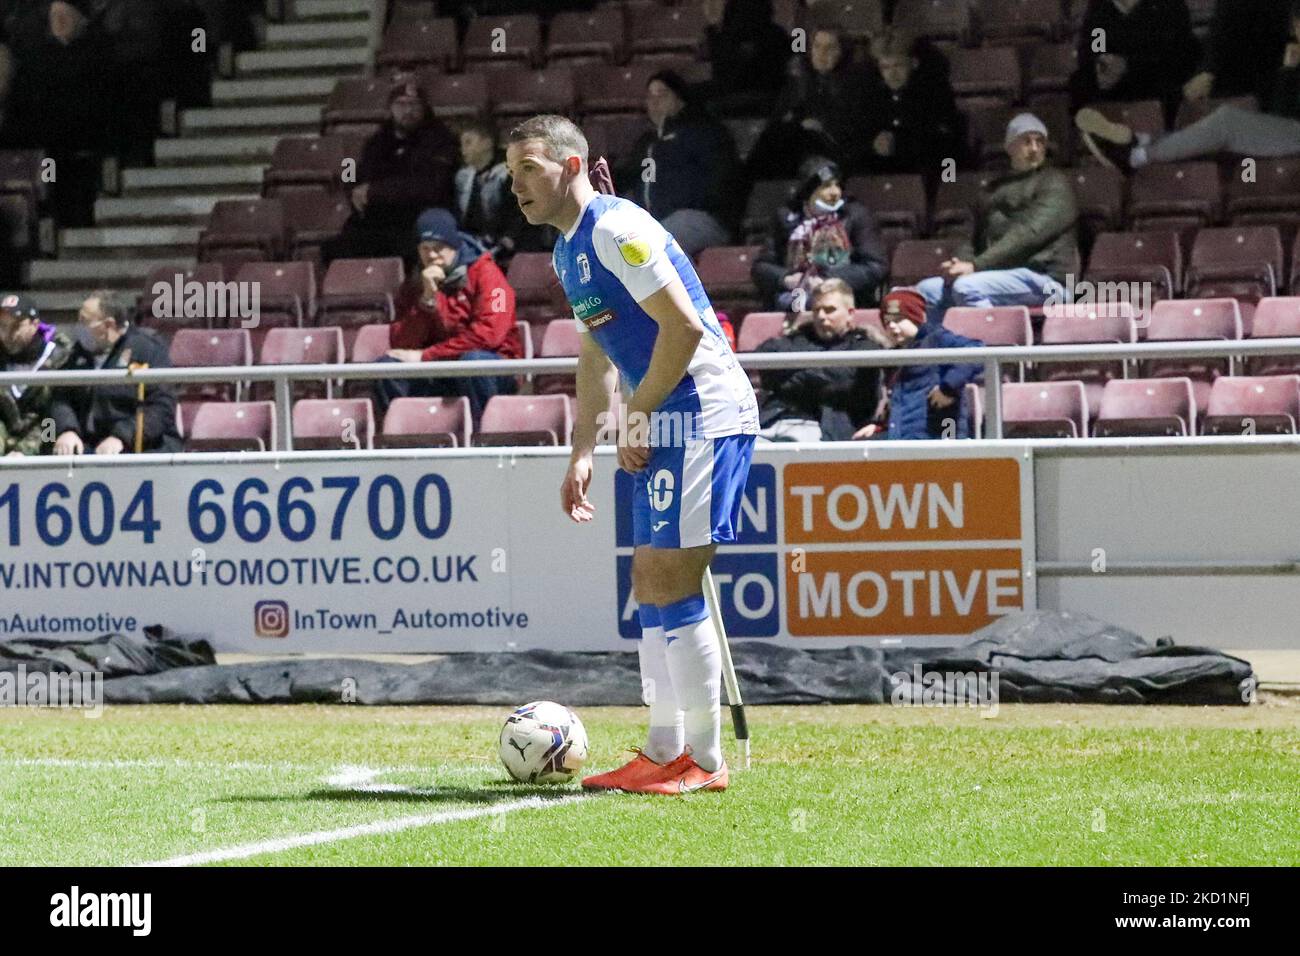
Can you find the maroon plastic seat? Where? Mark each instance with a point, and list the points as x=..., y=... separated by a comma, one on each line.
x=456, y=95
x=1099, y=192
x=1119, y=259
x=413, y=44
x=595, y=36
x=917, y=259
x=356, y=104
x=1050, y=67
x=896, y=202
x=193, y=348
x=724, y=272
x=951, y=20
x=655, y=31
x=995, y=325
x=538, y=293
x=1295, y=266
x=366, y=344
x=765, y=198
x=523, y=92
x=232, y=426
x=359, y=291
x=525, y=420
x=286, y=292
x=426, y=423
x=1056, y=409
x=1273, y=196
x=614, y=137
x=310, y=162
x=1244, y=262
x=1083, y=324
x=1275, y=318
x=151, y=305
x=1251, y=405
x=561, y=339
x=855, y=19
x=522, y=34
x=614, y=89
x=955, y=203
x=1015, y=21
x=322, y=345
x=757, y=328
x=1183, y=320
x=985, y=76
x=251, y=227
x=313, y=219
x=342, y=423
x=22, y=172
x=1146, y=406
x=1174, y=195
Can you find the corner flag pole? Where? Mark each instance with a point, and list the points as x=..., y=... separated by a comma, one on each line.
x=738, y=723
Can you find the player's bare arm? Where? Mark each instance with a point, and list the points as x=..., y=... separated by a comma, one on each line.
x=596, y=381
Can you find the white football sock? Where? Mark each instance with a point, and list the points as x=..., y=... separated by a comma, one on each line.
x=665, y=740
x=696, y=667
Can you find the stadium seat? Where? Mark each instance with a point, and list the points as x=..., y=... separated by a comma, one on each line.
x=614, y=136
x=724, y=272
x=1241, y=405
x=1295, y=266
x=656, y=32
x=953, y=213
x=1082, y=324
x=1272, y=197
x=424, y=43
x=367, y=344
x=148, y=309
x=22, y=174
x=950, y=20
x=313, y=219
x=525, y=420
x=359, y=291
x=995, y=325
x=591, y=37
x=520, y=92
x=1242, y=262
x=1015, y=21
x=985, y=76
x=856, y=19
x=286, y=292
x=232, y=426
x=1044, y=410
x=521, y=32
x=456, y=95
x=1146, y=406
x=896, y=202
x=194, y=348
x=606, y=89
x=254, y=228
x=1099, y=191
x=310, y=162
x=1275, y=318
x=340, y=423
x=757, y=328
x=539, y=297
x=765, y=198
x=1174, y=196
x=1183, y=320
x=1050, y=67
x=1135, y=257
x=917, y=259
x=1142, y=116
x=560, y=340
x=426, y=423
x=986, y=128
x=356, y=105
x=322, y=345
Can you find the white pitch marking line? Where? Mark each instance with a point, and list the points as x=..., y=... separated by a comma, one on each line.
x=379, y=827
x=156, y=763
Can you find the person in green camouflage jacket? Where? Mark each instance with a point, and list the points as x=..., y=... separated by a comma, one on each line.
x=27, y=345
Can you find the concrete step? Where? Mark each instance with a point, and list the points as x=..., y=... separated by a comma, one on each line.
x=74, y=274
x=262, y=90
x=62, y=306
x=330, y=9
x=221, y=121
x=177, y=210
x=124, y=242
x=192, y=179
x=259, y=62
x=328, y=33
x=210, y=150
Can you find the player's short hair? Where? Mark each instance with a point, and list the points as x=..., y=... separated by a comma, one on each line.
x=559, y=135
x=115, y=305
x=835, y=287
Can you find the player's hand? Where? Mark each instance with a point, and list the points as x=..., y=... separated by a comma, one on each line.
x=69, y=443
x=633, y=449
x=112, y=445
x=573, y=490
x=1198, y=87
x=938, y=399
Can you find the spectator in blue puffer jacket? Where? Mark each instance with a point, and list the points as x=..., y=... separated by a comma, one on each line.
x=924, y=401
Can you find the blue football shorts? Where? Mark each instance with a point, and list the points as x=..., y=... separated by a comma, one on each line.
x=689, y=494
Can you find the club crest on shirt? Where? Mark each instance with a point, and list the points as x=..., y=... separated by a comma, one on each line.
x=584, y=268
x=634, y=250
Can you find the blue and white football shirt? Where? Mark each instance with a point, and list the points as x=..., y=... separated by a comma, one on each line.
x=617, y=254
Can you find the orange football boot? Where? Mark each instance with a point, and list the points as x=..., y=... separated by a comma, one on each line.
x=684, y=775
x=631, y=775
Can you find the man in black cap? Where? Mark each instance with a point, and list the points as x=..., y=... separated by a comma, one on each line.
x=27, y=345
x=409, y=164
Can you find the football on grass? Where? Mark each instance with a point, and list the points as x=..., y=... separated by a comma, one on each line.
x=543, y=742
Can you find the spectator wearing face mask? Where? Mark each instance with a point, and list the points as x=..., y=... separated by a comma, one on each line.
x=102, y=418
x=820, y=235
x=27, y=345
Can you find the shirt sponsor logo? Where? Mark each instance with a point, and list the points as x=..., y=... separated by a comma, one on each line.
x=634, y=249
x=599, y=319
x=584, y=268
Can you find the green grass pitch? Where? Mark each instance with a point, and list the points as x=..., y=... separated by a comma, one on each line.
x=339, y=785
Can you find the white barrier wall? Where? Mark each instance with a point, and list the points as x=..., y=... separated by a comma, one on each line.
x=841, y=544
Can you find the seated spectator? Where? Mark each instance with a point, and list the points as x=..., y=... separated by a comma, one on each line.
x=1229, y=129
x=408, y=165
x=922, y=401
x=1024, y=232
x=102, y=419
x=748, y=52
x=458, y=306
x=821, y=404
x=1135, y=50
x=27, y=345
x=817, y=112
x=818, y=237
x=487, y=209
x=690, y=185
x=910, y=119
x=1247, y=37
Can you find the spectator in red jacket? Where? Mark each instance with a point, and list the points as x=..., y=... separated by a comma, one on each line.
x=458, y=306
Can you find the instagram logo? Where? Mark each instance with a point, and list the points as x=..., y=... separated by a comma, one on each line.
x=271, y=619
